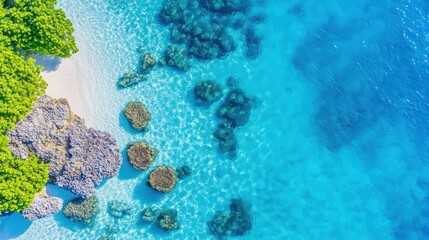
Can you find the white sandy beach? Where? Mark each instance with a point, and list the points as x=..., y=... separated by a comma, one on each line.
x=64, y=82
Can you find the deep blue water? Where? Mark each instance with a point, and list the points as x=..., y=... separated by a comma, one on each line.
x=336, y=146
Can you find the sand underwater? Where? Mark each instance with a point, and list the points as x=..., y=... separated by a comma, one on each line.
x=337, y=144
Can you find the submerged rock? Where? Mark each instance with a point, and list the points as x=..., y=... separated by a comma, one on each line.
x=168, y=220
x=141, y=155
x=149, y=62
x=163, y=179
x=236, y=107
x=207, y=91
x=137, y=115
x=253, y=43
x=79, y=157
x=42, y=206
x=235, y=222
x=177, y=57
x=225, y=6
x=226, y=137
x=149, y=214
x=82, y=210
x=183, y=172
x=131, y=78
x=118, y=209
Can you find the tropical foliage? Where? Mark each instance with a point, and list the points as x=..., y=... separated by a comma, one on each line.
x=26, y=27
x=36, y=26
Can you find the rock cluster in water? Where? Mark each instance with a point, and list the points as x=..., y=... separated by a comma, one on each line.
x=79, y=157
x=234, y=111
x=207, y=92
x=82, y=210
x=235, y=222
x=205, y=27
x=149, y=214
x=137, y=115
x=163, y=179
x=131, y=78
x=118, y=209
x=148, y=62
x=141, y=155
x=42, y=206
x=176, y=57
x=168, y=220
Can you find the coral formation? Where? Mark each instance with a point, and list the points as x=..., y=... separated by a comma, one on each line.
x=225, y=6
x=148, y=62
x=118, y=209
x=131, y=78
x=204, y=26
x=79, y=157
x=226, y=137
x=168, y=220
x=253, y=43
x=82, y=210
x=183, y=172
x=235, y=222
x=236, y=107
x=137, y=115
x=176, y=56
x=42, y=206
x=141, y=155
x=207, y=91
x=163, y=179
x=149, y=214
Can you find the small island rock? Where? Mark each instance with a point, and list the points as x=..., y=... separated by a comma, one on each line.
x=141, y=155
x=163, y=179
x=137, y=115
x=82, y=210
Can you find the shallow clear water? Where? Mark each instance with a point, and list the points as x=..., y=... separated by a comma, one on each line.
x=337, y=147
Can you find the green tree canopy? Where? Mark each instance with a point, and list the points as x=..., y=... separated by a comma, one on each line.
x=36, y=26
x=26, y=26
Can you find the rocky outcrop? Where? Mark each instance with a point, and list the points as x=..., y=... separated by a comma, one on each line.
x=42, y=206
x=79, y=157
x=168, y=220
x=118, y=209
x=183, y=172
x=148, y=62
x=177, y=57
x=149, y=214
x=82, y=210
x=207, y=92
x=141, y=155
x=163, y=179
x=237, y=221
x=131, y=78
x=137, y=115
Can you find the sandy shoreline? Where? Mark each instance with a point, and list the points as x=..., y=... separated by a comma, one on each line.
x=64, y=82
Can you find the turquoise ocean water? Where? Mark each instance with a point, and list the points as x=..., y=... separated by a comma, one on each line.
x=336, y=148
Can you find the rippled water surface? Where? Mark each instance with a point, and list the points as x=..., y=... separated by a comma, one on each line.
x=336, y=146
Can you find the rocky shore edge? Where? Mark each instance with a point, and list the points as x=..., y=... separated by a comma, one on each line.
x=79, y=157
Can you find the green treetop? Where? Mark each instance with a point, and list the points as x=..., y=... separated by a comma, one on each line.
x=36, y=26
x=26, y=26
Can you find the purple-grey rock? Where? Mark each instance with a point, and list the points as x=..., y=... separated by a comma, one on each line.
x=79, y=157
x=42, y=206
